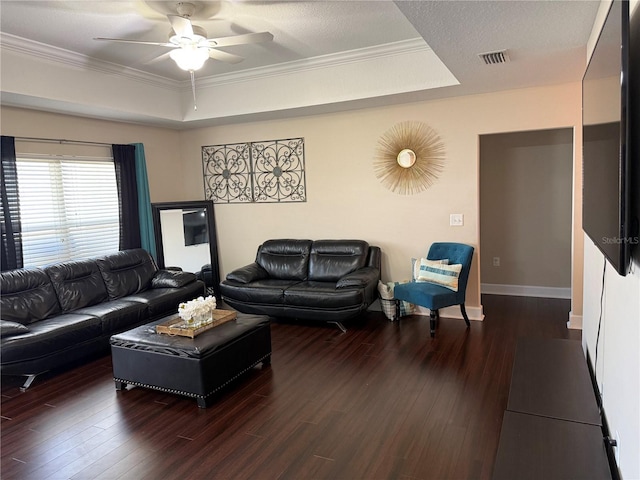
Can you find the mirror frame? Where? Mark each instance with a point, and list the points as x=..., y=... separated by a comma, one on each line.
x=207, y=205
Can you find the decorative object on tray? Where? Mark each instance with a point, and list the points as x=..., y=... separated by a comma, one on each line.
x=177, y=326
x=197, y=312
x=409, y=157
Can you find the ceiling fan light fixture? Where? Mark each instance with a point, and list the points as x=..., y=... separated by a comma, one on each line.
x=189, y=58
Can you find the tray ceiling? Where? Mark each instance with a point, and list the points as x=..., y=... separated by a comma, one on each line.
x=325, y=54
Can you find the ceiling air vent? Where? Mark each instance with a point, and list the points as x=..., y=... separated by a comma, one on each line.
x=491, y=58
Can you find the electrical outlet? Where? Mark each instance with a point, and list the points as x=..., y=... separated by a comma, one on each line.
x=456, y=220
x=496, y=261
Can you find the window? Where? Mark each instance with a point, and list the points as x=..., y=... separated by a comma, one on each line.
x=68, y=207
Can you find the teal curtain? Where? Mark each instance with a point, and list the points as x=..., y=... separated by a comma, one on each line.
x=147, y=238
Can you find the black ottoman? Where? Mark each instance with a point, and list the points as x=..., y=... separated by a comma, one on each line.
x=196, y=367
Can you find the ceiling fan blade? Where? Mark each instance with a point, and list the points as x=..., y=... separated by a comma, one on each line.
x=224, y=56
x=240, y=39
x=182, y=26
x=124, y=40
x=157, y=59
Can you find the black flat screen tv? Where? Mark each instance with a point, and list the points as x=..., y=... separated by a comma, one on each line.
x=609, y=97
x=196, y=231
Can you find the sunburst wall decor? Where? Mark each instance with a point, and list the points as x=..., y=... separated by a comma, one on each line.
x=409, y=157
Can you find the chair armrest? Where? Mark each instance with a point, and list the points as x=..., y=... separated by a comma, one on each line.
x=172, y=279
x=360, y=278
x=248, y=274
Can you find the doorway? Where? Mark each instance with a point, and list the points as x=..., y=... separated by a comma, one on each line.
x=525, y=213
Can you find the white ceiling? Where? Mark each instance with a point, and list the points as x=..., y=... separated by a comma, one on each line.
x=301, y=29
x=349, y=53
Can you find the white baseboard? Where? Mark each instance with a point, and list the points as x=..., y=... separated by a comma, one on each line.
x=575, y=321
x=474, y=313
x=525, y=290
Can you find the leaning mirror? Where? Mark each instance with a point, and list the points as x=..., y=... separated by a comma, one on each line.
x=185, y=234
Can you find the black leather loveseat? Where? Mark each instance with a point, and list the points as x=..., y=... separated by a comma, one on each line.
x=64, y=312
x=323, y=280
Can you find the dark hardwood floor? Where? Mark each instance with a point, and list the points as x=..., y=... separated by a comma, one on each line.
x=382, y=401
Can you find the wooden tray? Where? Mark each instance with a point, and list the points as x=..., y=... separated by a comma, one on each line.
x=177, y=326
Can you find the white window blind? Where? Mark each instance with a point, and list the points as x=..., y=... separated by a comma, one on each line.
x=68, y=208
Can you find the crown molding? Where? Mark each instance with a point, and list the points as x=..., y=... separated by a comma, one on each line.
x=415, y=45
x=349, y=65
x=24, y=46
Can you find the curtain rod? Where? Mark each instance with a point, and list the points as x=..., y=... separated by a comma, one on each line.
x=61, y=141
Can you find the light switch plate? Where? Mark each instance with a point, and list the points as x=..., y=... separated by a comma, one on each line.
x=456, y=219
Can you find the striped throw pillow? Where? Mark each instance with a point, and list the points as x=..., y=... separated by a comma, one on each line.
x=433, y=271
x=415, y=266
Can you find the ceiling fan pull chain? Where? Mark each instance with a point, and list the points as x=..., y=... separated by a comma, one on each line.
x=193, y=88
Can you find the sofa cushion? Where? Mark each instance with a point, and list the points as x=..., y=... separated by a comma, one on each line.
x=127, y=272
x=27, y=296
x=77, y=284
x=332, y=259
x=117, y=315
x=266, y=292
x=285, y=259
x=53, y=334
x=323, y=295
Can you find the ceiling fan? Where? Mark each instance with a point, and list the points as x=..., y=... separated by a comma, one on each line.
x=189, y=43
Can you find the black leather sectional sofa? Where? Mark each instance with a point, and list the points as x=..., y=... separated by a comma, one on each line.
x=64, y=312
x=322, y=280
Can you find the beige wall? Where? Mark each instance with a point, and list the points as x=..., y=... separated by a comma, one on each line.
x=525, y=207
x=161, y=145
x=344, y=197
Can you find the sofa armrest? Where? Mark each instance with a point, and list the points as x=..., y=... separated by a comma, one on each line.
x=7, y=328
x=360, y=278
x=248, y=274
x=172, y=279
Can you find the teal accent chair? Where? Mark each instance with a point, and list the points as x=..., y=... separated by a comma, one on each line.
x=435, y=297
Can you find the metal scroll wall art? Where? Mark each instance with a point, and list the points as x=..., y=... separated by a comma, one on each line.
x=409, y=157
x=256, y=172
